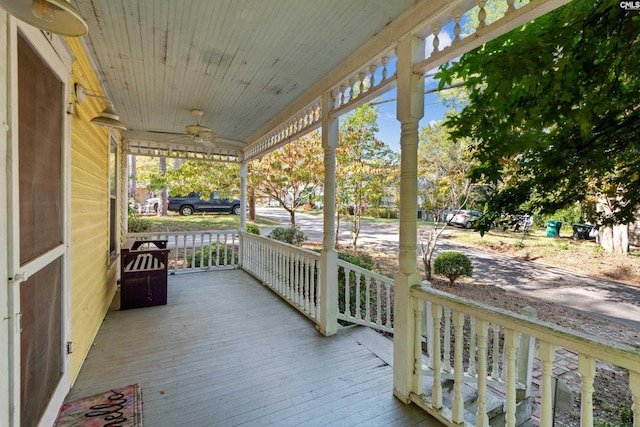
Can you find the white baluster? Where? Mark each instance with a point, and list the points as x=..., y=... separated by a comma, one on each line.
x=526, y=354
x=429, y=331
x=511, y=344
x=388, y=306
x=372, y=75
x=358, y=284
x=352, y=89
x=300, y=264
x=482, y=327
x=378, y=303
x=176, y=251
x=305, y=281
x=367, y=303
x=457, y=415
x=343, y=88
x=482, y=14
x=225, y=251
x=587, y=370
x=385, y=61
x=472, y=347
x=361, y=77
x=495, y=372
x=634, y=386
x=436, y=40
x=447, y=341
x=511, y=8
x=547, y=353
x=347, y=292
x=417, y=385
x=436, y=390
x=457, y=16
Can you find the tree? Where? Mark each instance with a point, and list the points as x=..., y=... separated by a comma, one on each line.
x=554, y=110
x=443, y=167
x=202, y=177
x=361, y=160
x=291, y=174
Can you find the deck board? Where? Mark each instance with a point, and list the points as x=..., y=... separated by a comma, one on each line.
x=225, y=351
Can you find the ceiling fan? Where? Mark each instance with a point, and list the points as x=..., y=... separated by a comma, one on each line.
x=197, y=132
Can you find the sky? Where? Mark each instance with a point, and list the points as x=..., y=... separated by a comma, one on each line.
x=390, y=126
x=433, y=109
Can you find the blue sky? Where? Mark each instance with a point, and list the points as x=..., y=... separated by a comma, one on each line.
x=433, y=108
x=390, y=126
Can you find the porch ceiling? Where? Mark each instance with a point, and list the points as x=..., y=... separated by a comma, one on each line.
x=242, y=62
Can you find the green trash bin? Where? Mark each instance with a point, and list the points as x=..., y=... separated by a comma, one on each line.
x=553, y=228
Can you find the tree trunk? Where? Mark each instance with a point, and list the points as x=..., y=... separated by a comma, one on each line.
x=292, y=215
x=132, y=178
x=252, y=204
x=356, y=230
x=162, y=206
x=615, y=238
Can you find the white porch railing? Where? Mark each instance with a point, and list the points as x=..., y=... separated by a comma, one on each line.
x=290, y=271
x=479, y=331
x=365, y=297
x=199, y=250
x=480, y=348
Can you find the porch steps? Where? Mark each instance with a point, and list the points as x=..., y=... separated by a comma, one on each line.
x=382, y=347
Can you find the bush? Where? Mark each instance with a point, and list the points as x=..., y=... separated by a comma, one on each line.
x=253, y=229
x=217, y=251
x=135, y=224
x=452, y=265
x=363, y=261
x=383, y=212
x=291, y=235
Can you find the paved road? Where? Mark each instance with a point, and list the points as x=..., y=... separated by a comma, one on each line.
x=605, y=299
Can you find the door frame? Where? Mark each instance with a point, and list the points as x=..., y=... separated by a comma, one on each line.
x=55, y=54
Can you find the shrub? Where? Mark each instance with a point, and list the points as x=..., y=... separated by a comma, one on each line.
x=291, y=235
x=363, y=261
x=452, y=265
x=383, y=213
x=217, y=251
x=135, y=224
x=253, y=229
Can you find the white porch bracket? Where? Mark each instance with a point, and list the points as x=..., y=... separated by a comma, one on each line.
x=410, y=109
x=328, y=324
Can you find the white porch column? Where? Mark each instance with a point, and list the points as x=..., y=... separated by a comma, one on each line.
x=410, y=110
x=244, y=171
x=329, y=259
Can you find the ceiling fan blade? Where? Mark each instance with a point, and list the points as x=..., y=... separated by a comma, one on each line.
x=181, y=137
x=209, y=143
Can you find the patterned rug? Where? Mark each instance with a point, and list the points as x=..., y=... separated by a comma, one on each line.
x=120, y=407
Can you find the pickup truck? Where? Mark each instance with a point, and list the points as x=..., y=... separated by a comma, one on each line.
x=193, y=203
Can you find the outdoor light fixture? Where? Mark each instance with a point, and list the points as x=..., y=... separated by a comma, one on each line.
x=54, y=16
x=107, y=117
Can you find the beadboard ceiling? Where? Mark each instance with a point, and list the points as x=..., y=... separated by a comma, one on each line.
x=240, y=61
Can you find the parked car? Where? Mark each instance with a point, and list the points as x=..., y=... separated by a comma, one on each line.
x=152, y=204
x=465, y=218
x=192, y=203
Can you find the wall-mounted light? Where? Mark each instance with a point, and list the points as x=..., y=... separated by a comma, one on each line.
x=55, y=16
x=107, y=117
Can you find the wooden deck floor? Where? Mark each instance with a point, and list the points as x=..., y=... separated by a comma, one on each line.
x=226, y=351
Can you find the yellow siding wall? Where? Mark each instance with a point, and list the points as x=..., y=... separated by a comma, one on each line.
x=93, y=275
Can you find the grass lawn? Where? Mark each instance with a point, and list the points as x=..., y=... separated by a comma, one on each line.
x=201, y=222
